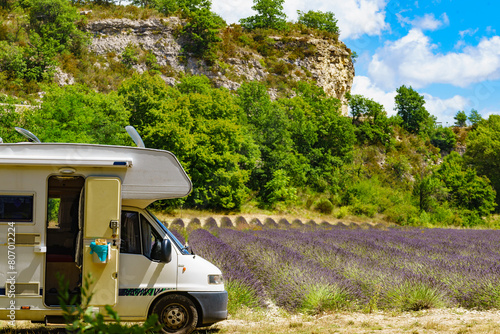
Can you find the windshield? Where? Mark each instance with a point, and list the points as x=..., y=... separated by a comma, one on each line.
x=172, y=237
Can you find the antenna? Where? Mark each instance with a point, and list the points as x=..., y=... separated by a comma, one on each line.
x=136, y=137
x=28, y=135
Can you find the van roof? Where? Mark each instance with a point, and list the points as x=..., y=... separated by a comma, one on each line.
x=147, y=174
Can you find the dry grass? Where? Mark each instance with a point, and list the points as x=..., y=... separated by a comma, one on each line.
x=443, y=321
x=429, y=321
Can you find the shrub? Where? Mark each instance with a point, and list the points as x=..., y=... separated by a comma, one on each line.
x=130, y=55
x=270, y=15
x=80, y=318
x=319, y=20
x=414, y=296
x=324, y=206
x=444, y=139
x=279, y=189
x=320, y=298
x=343, y=212
x=362, y=209
x=240, y=295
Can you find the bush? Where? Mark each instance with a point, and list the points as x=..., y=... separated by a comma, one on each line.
x=54, y=21
x=411, y=296
x=319, y=20
x=343, y=212
x=80, y=318
x=444, y=139
x=130, y=55
x=324, y=206
x=362, y=209
x=240, y=295
x=279, y=189
x=270, y=15
x=202, y=31
x=320, y=298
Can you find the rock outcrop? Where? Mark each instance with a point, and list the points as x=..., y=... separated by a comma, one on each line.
x=330, y=64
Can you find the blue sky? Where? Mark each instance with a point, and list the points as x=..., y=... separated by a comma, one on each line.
x=447, y=50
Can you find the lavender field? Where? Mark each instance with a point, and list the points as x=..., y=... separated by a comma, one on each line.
x=318, y=269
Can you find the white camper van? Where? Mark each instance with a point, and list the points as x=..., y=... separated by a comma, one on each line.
x=76, y=209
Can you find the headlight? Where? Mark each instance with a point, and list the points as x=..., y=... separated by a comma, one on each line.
x=215, y=279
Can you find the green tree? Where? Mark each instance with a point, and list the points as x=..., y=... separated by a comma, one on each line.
x=10, y=118
x=56, y=20
x=77, y=114
x=460, y=119
x=370, y=118
x=254, y=100
x=474, y=118
x=305, y=136
x=410, y=107
x=483, y=151
x=202, y=30
x=130, y=55
x=270, y=15
x=12, y=61
x=444, y=138
x=466, y=189
x=202, y=25
x=167, y=7
x=319, y=20
x=429, y=190
x=40, y=58
x=201, y=125
x=278, y=189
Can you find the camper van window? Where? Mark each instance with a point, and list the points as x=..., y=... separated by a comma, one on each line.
x=177, y=243
x=130, y=234
x=135, y=225
x=151, y=240
x=16, y=208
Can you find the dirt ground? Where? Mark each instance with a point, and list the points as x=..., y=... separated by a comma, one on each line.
x=456, y=321
x=446, y=321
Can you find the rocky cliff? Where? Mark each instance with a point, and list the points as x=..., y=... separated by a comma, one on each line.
x=329, y=63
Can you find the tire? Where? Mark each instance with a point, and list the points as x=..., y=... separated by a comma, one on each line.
x=176, y=314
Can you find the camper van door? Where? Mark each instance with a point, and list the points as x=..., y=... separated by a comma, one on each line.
x=101, y=235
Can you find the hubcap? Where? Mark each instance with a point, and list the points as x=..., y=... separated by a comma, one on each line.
x=175, y=316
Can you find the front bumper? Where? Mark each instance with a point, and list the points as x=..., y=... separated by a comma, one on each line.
x=213, y=306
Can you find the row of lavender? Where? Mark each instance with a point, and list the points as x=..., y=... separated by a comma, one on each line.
x=314, y=270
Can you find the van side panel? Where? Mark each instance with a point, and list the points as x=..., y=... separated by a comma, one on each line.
x=21, y=252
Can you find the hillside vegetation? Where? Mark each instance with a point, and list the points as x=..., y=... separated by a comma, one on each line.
x=243, y=149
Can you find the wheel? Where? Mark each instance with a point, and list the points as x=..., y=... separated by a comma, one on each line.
x=177, y=314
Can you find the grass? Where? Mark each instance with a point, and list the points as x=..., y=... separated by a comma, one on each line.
x=443, y=321
x=246, y=321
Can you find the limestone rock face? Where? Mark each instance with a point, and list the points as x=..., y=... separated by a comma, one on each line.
x=330, y=63
x=154, y=35
x=332, y=68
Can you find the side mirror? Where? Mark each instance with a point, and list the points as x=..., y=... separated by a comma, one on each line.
x=166, y=251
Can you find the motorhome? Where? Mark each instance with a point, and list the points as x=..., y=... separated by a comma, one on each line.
x=80, y=209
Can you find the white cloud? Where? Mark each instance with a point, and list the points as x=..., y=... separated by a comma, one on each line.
x=355, y=17
x=468, y=32
x=363, y=86
x=426, y=22
x=429, y=22
x=233, y=10
x=443, y=109
x=412, y=60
